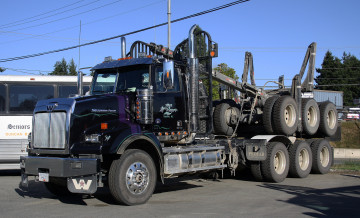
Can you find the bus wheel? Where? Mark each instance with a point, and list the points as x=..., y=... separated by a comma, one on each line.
x=300, y=159
x=132, y=178
x=322, y=156
x=276, y=166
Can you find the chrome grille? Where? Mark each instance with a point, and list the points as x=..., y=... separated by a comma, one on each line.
x=50, y=130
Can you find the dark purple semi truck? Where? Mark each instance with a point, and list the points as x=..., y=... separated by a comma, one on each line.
x=150, y=115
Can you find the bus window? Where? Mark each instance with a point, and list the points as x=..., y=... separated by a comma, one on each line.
x=24, y=97
x=2, y=98
x=66, y=91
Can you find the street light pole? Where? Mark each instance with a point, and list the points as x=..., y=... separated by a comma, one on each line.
x=169, y=21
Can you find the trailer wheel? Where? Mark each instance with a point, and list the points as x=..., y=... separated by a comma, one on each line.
x=267, y=115
x=132, y=178
x=57, y=186
x=328, y=118
x=225, y=118
x=285, y=115
x=276, y=166
x=300, y=159
x=310, y=116
x=322, y=156
x=255, y=167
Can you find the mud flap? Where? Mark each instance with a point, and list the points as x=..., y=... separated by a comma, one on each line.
x=256, y=150
x=83, y=184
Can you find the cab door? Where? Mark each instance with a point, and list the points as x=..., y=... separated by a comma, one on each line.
x=169, y=104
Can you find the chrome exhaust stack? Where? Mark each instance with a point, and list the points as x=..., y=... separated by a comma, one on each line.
x=193, y=64
x=80, y=83
x=123, y=47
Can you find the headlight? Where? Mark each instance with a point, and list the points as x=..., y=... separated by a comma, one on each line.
x=93, y=138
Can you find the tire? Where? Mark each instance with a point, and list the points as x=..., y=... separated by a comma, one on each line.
x=300, y=159
x=132, y=178
x=322, y=156
x=310, y=116
x=255, y=167
x=57, y=186
x=222, y=122
x=267, y=115
x=328, y=119
x=285, y=115
x=276, y=166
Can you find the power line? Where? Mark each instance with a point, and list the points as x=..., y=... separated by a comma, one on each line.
x=52, y=21
x=30, y=21
x=2, y=26
x=340, y=85
x=126, y=34
x=73, y=27
x=25, y=71
x=337, y=68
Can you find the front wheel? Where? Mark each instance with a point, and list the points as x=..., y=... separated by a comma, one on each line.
x=132, y=178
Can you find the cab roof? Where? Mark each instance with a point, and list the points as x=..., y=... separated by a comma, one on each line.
x=123, y=63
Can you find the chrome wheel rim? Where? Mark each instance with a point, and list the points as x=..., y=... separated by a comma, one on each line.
x=279, y=162
x=137, y=178
x=304, y=159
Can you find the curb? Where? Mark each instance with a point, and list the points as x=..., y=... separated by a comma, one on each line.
x=346, y=153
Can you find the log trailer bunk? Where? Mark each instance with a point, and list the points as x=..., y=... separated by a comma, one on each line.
x=151, y=116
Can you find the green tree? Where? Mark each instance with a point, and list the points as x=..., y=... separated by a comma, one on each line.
x=226, y=70
x=2, y=69
x=339, y=75
x=62, y=68
x=72, y=68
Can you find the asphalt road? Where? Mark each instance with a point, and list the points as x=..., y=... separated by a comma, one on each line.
x=336, y=195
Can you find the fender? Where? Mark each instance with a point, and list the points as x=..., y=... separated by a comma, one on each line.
x=151, y=140
x=277, y=138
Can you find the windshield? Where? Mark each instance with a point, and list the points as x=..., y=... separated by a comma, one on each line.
x=104, y=82
x=126, y=78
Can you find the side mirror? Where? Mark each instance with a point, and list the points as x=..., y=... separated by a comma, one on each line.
x=168, y=75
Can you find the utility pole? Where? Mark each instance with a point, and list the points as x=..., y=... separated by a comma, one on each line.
x=169, y=21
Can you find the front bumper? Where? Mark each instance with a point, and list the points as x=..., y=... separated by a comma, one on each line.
x=59, y=167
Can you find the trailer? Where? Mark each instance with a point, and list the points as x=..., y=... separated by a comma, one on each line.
x=150, y=116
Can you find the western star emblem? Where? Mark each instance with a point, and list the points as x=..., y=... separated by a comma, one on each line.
x=51, y=107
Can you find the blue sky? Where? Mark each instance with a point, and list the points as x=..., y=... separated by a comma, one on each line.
x=276, y=32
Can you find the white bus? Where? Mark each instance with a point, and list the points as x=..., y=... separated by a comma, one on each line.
x=18, y=97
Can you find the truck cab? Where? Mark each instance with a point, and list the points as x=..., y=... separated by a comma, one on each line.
x=162, y=80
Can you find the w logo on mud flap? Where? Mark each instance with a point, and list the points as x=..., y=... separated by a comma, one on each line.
x=82, y=185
